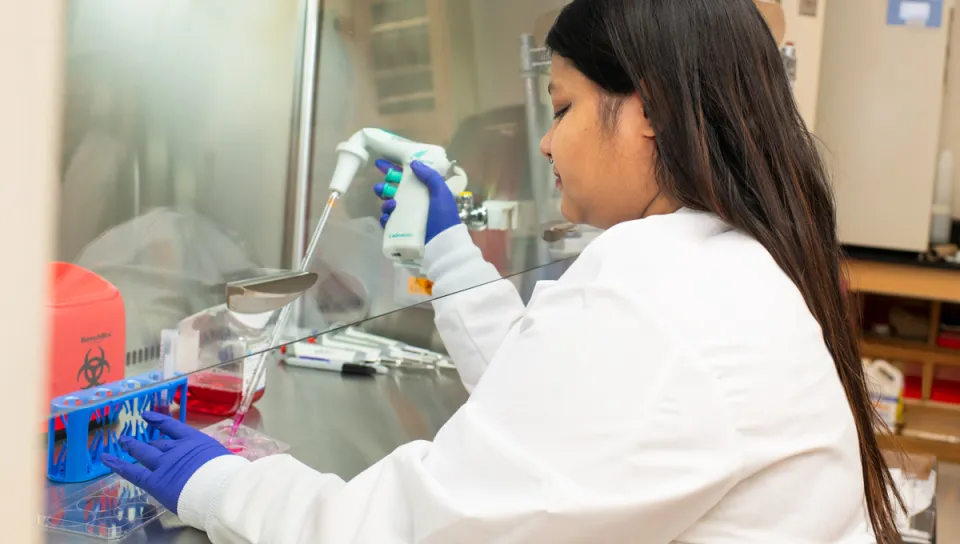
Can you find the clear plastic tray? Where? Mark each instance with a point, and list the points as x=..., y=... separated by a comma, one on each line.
x=249, y=443
x=112, y=508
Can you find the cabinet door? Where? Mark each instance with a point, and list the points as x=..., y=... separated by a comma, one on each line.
x=406, y=45
x=878, y=116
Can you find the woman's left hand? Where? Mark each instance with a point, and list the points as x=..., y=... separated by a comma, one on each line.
x=442, y=212
x=166, y=465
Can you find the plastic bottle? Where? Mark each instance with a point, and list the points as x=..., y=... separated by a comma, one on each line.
x=885, y=383
x=219, y=344
x=941, y=224
x=789, y=54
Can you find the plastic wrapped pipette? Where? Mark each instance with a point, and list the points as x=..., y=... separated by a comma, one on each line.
x=394, y=351
x=261, y=365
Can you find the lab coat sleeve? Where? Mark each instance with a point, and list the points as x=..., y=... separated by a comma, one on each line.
x=474, y=307
x=595, y=425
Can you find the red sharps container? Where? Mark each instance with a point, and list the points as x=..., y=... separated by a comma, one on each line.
x=87, y=341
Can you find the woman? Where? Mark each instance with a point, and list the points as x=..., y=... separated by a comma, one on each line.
x=691, y=378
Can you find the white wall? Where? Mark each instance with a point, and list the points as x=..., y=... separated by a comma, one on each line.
x=807, y=34
x=498, y=25
x=30, y=74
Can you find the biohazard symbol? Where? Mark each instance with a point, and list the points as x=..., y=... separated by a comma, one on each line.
x=93, y=368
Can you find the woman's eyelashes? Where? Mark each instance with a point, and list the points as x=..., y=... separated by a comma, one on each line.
x=560, y=113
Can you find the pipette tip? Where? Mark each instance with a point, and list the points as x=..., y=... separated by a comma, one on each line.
x=237, y=420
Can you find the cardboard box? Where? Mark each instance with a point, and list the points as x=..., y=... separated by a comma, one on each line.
x=915, y=465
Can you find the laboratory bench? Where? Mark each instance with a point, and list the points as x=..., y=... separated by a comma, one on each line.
x=343, y=424
x=333, y=423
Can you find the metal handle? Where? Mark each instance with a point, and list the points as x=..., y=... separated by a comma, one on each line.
x=474, y=217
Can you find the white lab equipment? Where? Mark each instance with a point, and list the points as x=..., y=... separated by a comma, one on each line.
x=395, y=350
x=941, y=222
x=311, y=350
x=885, y=383
x=789, y=55
x=371, y=354
x=405, y=232
x=346, y=361
x=377, y=349
x=357, y=333
x=606, y=410
x=334, y=365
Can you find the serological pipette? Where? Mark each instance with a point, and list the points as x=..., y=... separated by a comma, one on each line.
x=404, y=234
x=261, y=363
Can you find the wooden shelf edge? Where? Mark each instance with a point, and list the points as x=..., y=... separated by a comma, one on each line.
x=907, y=351
x=943, y=451
x=932, y=405
x=903, y=280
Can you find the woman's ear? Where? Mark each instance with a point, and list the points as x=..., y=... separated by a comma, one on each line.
x=637, y=107
x=641, y=98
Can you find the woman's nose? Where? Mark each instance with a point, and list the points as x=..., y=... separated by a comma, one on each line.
x=545, y=144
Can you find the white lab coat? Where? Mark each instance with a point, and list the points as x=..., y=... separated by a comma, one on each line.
x=671, y=387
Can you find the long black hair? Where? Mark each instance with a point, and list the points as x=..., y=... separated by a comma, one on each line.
x=730, y=140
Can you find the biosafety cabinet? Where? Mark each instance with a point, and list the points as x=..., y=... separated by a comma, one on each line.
x=878, y=102
x=199, y=139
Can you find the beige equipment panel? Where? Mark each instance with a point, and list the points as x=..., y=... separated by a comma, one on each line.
x=879, y=112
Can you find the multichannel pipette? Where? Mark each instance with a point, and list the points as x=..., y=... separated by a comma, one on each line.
x=405, y=232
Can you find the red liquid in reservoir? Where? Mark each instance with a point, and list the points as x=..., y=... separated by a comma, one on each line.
x=215, y=393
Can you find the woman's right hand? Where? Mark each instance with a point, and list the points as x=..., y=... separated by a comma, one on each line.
x=442, y=212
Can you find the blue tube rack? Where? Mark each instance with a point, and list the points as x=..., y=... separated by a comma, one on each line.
x=116, y=407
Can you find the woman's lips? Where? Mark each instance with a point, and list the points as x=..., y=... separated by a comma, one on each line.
x=559, y=182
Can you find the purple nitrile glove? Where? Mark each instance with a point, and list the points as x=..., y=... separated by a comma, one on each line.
x=166, y=464
x=442, y=213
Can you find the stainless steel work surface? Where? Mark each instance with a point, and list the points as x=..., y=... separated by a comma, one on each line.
x=333, y=423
